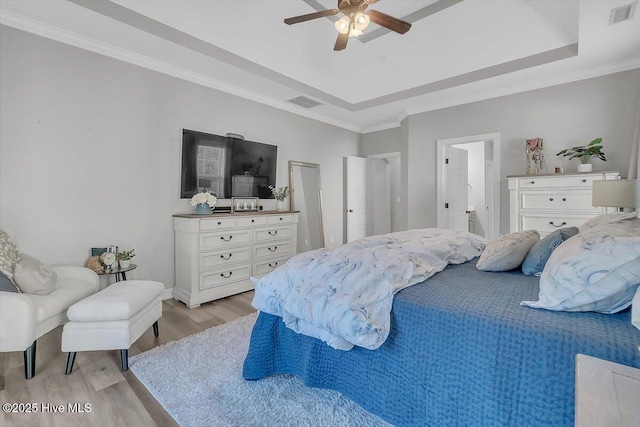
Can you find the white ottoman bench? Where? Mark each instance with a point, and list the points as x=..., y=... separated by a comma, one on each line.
x=112, y=319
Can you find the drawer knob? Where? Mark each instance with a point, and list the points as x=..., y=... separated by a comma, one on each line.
x=533, y=182
x=226, y=240
x=584, y=180
x=551, y=199
x=280, y=218
x=564, y=199
x=275, y=248
x=563, y=223
x=253, y=220
x=224, y=257
x=273, y=233
x=219, y=222
x=226, y=276
x=273, y=264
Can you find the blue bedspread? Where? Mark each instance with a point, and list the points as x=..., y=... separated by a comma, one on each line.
x=462, y=351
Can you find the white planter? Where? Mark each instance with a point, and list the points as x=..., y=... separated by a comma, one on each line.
x=281, y=205
x=125, y=263
x=585, y=167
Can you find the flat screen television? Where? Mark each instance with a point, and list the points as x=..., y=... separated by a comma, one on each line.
x=226, y=167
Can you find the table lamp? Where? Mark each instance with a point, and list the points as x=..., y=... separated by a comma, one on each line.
x=619, y=193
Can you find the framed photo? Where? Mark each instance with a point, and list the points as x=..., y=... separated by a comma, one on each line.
x=244, y=204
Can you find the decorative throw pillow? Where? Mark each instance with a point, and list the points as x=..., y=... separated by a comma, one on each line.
x=597, y=270
x=8, y=255
x=539, y=254
x=635, y=310
x=508, y=251
x=33, y=277
x=6, y=285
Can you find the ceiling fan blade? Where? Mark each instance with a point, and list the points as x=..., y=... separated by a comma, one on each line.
x=384, y=20
x=341, y=43
x=310, y=16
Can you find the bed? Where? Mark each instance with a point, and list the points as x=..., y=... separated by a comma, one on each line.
x=461, y=351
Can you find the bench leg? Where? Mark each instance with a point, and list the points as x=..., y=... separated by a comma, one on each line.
x=71, y=358
x=124, y=355
x=156, y=332
x=30, y=361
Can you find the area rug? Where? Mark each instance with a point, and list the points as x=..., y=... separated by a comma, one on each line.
x=198, y=380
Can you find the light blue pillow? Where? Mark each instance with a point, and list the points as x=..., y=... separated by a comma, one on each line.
x=6, y=285
x=539, y=254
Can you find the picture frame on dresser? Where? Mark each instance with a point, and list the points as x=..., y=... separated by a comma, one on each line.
x=552, y=201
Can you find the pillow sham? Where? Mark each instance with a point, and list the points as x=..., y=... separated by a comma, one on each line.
x=8, y=255
x=508, y=251
x=33, y=277
x=539, y=254
x=605, y=219
x=597, y=270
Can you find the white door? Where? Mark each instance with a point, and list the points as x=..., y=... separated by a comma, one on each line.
x=457, y=193
x=380, y=192
x=356, y=197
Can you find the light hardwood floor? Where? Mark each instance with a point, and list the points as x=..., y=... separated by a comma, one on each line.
x=117, y=398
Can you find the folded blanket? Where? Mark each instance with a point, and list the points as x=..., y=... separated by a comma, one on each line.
x=343, y=296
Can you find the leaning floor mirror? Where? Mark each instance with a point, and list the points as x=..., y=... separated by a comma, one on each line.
x=304, y=182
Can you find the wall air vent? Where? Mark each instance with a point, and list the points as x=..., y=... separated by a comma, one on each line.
x=622, y=13
x=305, y=102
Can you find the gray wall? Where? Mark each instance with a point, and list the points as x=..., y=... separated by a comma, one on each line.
x=90, y=151
x=564, y=116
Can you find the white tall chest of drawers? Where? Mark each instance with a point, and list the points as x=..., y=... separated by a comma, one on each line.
x=215, y=255
x=548, y=202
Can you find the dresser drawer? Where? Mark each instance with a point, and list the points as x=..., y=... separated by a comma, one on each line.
x=548, y=223
x=220, y=258
x=221, y=277
x=558, y=201
x=272, y=233
x=250, y=221
x=265, y=267
x=272, y=250
x=280, y=219
x=217, y=224
x=573, y=181
x=229, y=238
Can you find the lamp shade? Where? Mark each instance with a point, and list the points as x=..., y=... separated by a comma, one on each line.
x=620, y=193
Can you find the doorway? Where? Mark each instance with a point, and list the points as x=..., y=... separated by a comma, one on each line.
x=482, y=198
x=372, y=195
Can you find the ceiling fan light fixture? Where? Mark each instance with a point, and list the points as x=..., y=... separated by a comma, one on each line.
x=361, y=21
x=343, y=24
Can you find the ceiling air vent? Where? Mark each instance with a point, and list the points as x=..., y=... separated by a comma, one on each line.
x=305, y=102
x=622, y=13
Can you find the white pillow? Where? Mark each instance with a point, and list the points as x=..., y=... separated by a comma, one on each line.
x=33, y=277
x=508, y=251
x=596, y=270
x=603, y=220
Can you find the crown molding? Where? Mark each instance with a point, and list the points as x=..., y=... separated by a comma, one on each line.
x=52, y=32
x=532, y=85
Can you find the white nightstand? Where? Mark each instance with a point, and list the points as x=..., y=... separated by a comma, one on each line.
x=607, y=393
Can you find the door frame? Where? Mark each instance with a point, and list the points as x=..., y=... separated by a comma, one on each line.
x=491, y=192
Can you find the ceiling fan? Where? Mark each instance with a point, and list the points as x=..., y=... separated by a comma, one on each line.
x=356, y=18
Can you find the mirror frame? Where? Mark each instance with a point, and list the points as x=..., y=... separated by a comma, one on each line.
x=292, y=190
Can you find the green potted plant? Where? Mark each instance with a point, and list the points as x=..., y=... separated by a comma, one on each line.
x=126, y=257
x=280, y=194
x=585, y=153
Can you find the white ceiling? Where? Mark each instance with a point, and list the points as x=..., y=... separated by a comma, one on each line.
x=470, y=50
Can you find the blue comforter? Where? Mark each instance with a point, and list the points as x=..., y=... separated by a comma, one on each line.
x=461, y=352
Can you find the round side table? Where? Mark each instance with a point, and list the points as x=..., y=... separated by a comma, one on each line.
x=118, y=272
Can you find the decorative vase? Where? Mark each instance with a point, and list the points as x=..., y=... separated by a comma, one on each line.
x=585, y=167
x=203, y=209
x=280, y=205
x=125, y=263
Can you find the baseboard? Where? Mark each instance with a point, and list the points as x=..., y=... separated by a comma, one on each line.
x=167, y=293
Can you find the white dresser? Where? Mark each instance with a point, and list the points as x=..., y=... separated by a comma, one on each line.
x=548, y=202
x=215, y=255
